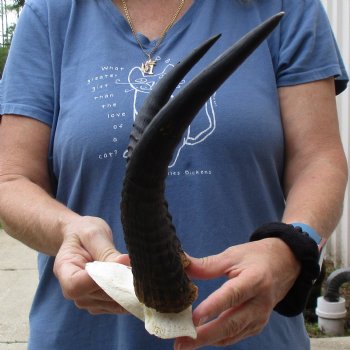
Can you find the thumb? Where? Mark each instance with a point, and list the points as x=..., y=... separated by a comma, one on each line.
x=101, y=248
x=208, y=267
x=123, y=259
x=111, y=255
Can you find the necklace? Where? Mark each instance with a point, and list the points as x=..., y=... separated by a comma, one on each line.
x=148, y=66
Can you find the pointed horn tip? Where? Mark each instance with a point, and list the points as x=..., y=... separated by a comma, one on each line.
x=272, y=22
x=216, y=37
x=205, y=46
x=279, y=15
x=275, y=19
x=212, y=40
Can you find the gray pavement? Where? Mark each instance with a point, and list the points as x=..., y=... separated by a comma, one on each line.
x=18, y=280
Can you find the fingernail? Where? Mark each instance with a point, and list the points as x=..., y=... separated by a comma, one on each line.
x=203, y=320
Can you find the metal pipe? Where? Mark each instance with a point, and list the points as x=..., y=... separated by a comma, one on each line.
x=335, y=280
x=331, y=308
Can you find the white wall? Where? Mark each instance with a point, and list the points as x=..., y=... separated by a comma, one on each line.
x=339, y=15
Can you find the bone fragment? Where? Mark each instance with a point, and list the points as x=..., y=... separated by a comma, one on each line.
x=117, y=281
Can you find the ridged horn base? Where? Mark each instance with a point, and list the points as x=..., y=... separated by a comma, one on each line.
x=157, y=259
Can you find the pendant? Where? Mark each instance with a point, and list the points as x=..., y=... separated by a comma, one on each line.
x=148, y=66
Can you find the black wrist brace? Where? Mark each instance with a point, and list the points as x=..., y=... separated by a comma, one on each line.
x=305, y=250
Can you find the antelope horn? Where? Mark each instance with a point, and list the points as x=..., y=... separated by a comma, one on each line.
x=158, y=262
x=163, y=90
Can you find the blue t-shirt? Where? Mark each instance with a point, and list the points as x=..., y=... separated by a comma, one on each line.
x=75, y=66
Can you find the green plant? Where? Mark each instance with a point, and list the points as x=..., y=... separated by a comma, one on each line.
x=7, y=30
x=3, y=56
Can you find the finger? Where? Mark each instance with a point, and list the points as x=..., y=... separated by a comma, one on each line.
x=103, y=308
x=211, y=266
x=232, y=326
x=238, y=324
x=99, y=302
x=90, y=302
x=214, y=332
x=100, y=295
x=231, y=294
x=75, y=282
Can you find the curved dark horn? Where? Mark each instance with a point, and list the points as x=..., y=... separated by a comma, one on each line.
x=156, y=256
x=163, y=90
x=167, y=127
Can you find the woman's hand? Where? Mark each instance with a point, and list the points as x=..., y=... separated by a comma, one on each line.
x=86, y=239
x=259, y=275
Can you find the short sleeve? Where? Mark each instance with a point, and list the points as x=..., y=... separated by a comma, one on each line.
x=308, y=50
x=27, y=86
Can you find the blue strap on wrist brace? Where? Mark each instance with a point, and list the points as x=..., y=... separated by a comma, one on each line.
x=309, y=230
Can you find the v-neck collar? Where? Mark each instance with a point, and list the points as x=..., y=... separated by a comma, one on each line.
x=122, y=25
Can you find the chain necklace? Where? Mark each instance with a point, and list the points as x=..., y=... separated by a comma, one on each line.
x=148, y=66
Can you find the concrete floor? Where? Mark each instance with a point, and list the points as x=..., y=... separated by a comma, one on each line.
x=18, y=280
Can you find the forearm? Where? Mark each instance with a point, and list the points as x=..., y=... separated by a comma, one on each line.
x=315, y=190
x=29, y=214
x=315, y=173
